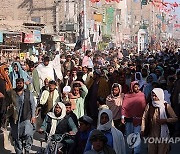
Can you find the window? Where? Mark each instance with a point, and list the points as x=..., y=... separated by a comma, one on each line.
x=36, y=19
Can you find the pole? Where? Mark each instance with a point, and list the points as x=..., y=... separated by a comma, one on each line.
x=57, y=17
x=85, y=24
x=57, y=24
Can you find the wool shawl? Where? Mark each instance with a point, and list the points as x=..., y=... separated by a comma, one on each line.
x=115, y=103
x=133, y=106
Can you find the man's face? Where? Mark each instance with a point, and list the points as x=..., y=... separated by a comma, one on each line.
x=31, y=69
x=111, y=70
x=128, y=72
x=46, y=63
x=97, y=145
x=116, y=91
x=158, y=72
x=52, y=87
x=121, y=81
x=68, y=58
x=83, y=127
x=144, y=73
x=138, y=76
x=19, y=85
x=76, y=91
x=74, y=73
x=68, y=109
x=104, y=118
x=150, y=79
x=57, y=110
x=85, y=70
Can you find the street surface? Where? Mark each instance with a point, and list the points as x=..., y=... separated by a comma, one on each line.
x=8, y=148
x=36, y=146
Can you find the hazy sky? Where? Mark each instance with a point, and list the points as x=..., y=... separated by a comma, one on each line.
x=177, y=9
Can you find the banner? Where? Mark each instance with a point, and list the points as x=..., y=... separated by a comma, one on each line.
x=98, y=17
x=29, y=38
x=1, y=37
x=144, y=2
x=37, y=36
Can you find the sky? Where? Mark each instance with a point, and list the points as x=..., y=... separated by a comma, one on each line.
x=177, y=10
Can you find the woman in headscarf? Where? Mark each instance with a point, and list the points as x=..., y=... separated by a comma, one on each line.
x=115, y=138
x=18, y=72
x=114, y=102
x=132, y=111
x=139, y=79
x=5, y=85
x=57, y=122
x=149, y=87
x=4, y=78
x=155, y=119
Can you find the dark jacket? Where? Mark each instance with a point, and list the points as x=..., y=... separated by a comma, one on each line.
x=64, y=125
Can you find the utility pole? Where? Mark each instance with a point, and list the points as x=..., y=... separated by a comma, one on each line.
x=85, y=25
x=57, y=23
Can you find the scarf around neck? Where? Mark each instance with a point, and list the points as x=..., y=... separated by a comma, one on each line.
x=54, y=118
x=160, y=104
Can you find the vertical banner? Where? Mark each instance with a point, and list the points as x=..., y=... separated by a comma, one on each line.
x=37, y=36
x=1, y=37
x=143, y=2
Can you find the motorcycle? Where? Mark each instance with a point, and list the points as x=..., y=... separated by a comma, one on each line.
x=55, y=144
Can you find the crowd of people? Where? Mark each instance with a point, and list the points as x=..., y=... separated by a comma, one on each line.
x=99, y=97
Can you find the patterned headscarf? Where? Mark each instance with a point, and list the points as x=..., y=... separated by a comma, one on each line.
x=5, y=77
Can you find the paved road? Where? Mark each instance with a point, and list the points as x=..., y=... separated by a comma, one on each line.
x=8, y=148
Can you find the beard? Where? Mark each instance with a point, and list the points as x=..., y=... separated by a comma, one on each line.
x=57, y=114
x=19, y=89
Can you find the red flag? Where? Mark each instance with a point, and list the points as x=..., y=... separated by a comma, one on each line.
x=175, y=4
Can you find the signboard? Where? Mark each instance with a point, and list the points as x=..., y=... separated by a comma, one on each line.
x=1, y=37
x=37, y=36
x=57, y=38
x=98, y=17
x=12, y=38
x=29, y=38
x=33, y=37
x=22, y=56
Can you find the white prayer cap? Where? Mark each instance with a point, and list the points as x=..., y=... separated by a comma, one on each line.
x=66, y=89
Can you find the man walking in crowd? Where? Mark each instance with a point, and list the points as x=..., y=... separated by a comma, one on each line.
x=20, y=111
x=49, y=98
